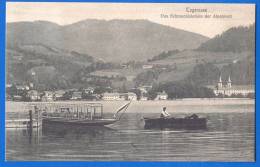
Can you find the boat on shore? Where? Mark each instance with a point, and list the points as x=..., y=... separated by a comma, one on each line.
x=192, y=122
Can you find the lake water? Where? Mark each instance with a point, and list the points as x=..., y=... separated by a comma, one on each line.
x=230, y=135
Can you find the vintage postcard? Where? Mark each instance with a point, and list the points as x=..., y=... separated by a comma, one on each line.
x=130, y=82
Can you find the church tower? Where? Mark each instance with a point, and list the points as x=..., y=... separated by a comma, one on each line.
x=229, y=85
x=220, y=83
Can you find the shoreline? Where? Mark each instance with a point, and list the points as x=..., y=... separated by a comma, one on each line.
x=11, y=106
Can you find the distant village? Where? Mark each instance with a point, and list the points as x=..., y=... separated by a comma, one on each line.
x=28, y=93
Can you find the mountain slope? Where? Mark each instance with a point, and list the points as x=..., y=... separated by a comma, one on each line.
x=114, y=40
x=45, y=66
x=232, y=52
x=236, y=39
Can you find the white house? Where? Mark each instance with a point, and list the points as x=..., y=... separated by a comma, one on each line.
x=33, y=95
x=48, y=96
x=59, y=94
x=145, y=88
x=131, y=96
x=147, y=66
x=161, y=96
x=111, y=96
x=76, y=95
x=89, y=90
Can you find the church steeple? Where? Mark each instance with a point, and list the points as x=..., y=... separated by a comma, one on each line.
x=220, y=82
x=229, y=82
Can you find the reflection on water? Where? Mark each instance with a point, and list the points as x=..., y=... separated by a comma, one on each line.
x=229, y=137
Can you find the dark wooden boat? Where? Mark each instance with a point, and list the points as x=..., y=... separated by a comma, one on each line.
x=190, y=122
x=76, y=122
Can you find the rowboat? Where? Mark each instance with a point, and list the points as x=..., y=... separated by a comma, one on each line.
x=190, y=122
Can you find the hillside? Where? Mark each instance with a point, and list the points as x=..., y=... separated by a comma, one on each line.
x=185, y=61
x=47, y=67
x=56, y=65
x=236, y=39
x=114, y=40
x=231, y=52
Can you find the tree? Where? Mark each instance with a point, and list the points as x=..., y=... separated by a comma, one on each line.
x=137, y=92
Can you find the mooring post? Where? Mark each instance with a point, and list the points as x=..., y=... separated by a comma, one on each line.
x=30, y=128
x=37, y=112
x=101, y=111
x=30, y=120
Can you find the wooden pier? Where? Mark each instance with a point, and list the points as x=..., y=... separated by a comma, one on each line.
x=81, y=114
x=32, y=120
x=36, y=112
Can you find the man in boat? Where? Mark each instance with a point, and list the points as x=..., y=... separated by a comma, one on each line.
x=164, y=113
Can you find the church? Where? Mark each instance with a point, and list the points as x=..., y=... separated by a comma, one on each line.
x=227, y=89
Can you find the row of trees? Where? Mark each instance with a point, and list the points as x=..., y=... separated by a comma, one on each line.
x=236, y=39
x=164, y=55
x=182, y=89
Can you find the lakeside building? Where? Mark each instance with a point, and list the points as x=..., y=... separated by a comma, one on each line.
x=59, y=94
x=89, y=90
x=228, y=89
x=147, y=66
x=144, y=91
x=111, y=96
x=17, y=97
x=33, y=95
x=119, y=96
x=161, y=96
x=47, y=96
x=145, y=88
x=22, y=88
x=76, y=95
x=131, y=96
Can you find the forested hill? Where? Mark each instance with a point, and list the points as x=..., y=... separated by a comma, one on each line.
x=229, y=54
x=236, y=39
x=112, y=40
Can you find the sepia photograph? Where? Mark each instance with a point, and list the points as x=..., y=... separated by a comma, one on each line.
x=166, y=82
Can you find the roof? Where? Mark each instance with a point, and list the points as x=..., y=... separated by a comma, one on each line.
x=77, y=93
x=111, y=94
x=162, y=93
x=33, y=92
x=60, y=92
x=48, y=92
x=89, y=88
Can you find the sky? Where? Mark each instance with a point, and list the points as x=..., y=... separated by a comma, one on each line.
x=163, y=13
